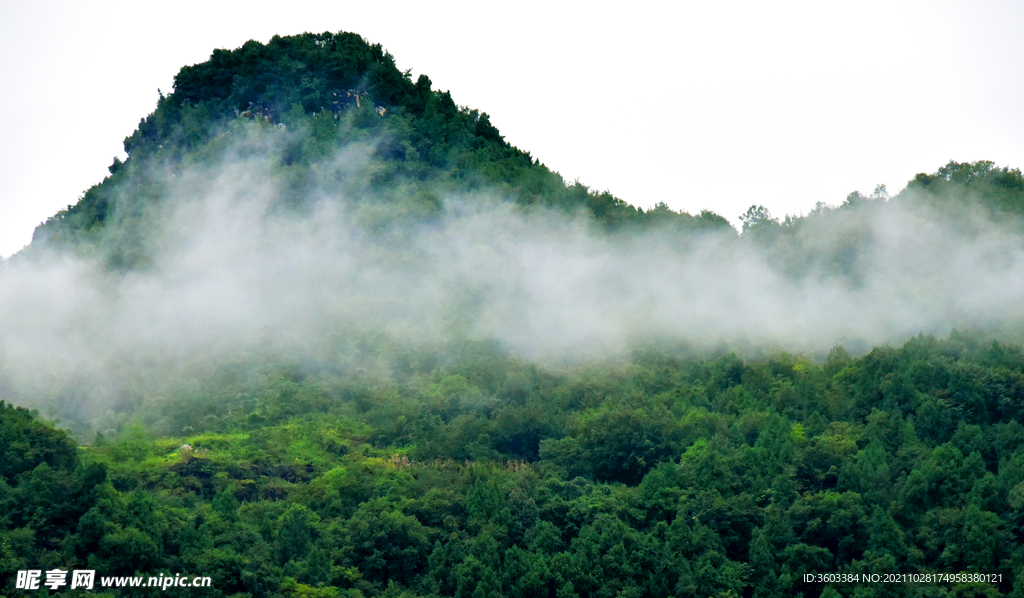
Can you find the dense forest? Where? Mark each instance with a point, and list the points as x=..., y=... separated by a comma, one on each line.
x=473, y=473
x=284, y=373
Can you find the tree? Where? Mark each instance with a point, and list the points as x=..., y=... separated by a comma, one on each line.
x=623, y=444
x=384, y=543
x=755, y=217
x=295, y=532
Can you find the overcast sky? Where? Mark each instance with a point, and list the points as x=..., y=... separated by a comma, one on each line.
x=702, y=105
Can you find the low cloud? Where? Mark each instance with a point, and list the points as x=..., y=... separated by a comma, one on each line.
x=233, y=269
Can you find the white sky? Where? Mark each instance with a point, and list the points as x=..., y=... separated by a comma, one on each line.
x=702, y=105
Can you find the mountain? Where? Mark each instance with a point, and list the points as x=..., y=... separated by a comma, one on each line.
x=335, y=90
x=329, y=117
x=325, y=333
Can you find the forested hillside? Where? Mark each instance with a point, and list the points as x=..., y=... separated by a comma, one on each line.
x=489, y=476
x=325, y=333
x=335, y=89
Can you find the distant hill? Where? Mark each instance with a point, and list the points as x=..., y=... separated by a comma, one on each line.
x=308, y=97
x=335, y=90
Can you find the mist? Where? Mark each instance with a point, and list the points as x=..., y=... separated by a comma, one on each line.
x=235, y=267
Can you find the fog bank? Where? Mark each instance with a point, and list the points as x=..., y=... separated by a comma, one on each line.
x=233, y=268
